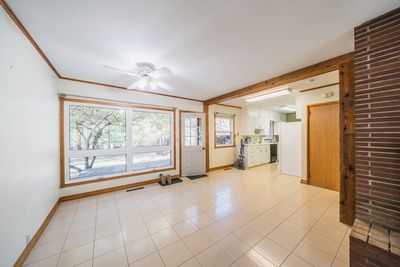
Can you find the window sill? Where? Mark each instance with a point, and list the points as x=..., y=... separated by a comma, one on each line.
x=97, y=180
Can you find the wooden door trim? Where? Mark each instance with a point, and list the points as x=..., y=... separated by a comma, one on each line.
x=308, y=132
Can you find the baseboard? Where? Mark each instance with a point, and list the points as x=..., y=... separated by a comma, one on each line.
x=111, y=189
x=28, y=249
x=220, y=167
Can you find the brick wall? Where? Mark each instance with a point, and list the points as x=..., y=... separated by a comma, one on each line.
x=377, y=115
x=372, y=245
x=375, y=238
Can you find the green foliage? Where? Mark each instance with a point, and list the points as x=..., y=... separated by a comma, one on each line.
x=151, y=128
x=96, y=128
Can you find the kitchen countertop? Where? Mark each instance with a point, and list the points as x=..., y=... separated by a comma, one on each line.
x=263, y=144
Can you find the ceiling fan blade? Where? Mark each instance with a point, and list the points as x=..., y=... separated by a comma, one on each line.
x=164, y=71
x=164, y=86
x=119, y=70
x=134, y=85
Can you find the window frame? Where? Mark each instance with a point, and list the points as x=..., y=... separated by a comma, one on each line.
x=128, y=150
x=229, y=116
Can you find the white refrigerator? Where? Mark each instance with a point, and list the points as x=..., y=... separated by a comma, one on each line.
x=290, y=148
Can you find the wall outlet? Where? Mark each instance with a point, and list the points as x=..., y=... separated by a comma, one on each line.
x=27, y=239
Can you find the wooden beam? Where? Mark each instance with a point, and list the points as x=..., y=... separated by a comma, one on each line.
x=347, y=143
x=304, y=73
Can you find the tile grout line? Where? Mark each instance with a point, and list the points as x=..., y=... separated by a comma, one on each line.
x=237, y=206
x=292, y=252
x=151, y=237
x=180, y=239
x=341, y=243
x=120, y=227
x=95, y=228
x=144, y=222
x=69, y=228
x=266, y=236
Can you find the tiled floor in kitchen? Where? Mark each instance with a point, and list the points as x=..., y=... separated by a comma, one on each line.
x=256, y=217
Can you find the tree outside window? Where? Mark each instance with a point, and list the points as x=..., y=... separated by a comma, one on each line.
x=224, y=131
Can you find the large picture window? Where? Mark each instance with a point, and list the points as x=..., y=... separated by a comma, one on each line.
x=224, y=130
x=103, y=140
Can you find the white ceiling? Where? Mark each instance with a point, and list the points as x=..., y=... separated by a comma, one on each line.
x=273, y=103
x=212, y=47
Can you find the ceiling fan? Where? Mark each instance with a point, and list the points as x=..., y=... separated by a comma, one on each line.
x=146, y=76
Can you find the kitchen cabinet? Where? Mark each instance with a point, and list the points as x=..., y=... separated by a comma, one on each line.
x=256, y=154
x=252, y=119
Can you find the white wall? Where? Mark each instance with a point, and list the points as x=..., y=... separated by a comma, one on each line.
x=29, y=154
x=108, y=93
x=302, y=101
x=226, y=155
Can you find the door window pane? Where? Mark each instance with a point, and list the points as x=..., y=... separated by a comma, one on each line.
x=83, y=167
x=93, y=128
x=151, y=129
x=151, y=160
x=193, y=132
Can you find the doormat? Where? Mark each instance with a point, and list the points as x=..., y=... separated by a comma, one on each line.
x=173, y=181
x=194, y=177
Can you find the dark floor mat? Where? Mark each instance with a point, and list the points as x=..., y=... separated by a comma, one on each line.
x=194, y=177
x=173, y=181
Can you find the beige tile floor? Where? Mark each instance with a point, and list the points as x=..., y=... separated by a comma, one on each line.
x=256, y=217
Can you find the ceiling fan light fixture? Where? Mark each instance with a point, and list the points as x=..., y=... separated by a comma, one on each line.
x=146, y=76
x=153, y=85
x=143, y=82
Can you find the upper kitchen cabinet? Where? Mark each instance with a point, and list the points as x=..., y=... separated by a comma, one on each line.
x=258, y=121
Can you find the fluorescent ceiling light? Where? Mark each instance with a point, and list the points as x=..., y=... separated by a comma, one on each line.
x=287, y=108
x=285, y=91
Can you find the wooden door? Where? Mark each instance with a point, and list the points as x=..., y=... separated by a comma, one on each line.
x=323, y=145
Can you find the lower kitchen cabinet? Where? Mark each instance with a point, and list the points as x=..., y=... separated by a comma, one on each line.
x=256, y=154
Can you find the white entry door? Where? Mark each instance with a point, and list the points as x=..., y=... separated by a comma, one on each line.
x=193, y=147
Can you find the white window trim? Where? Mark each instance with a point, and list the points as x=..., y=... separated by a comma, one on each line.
x=129, y=150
